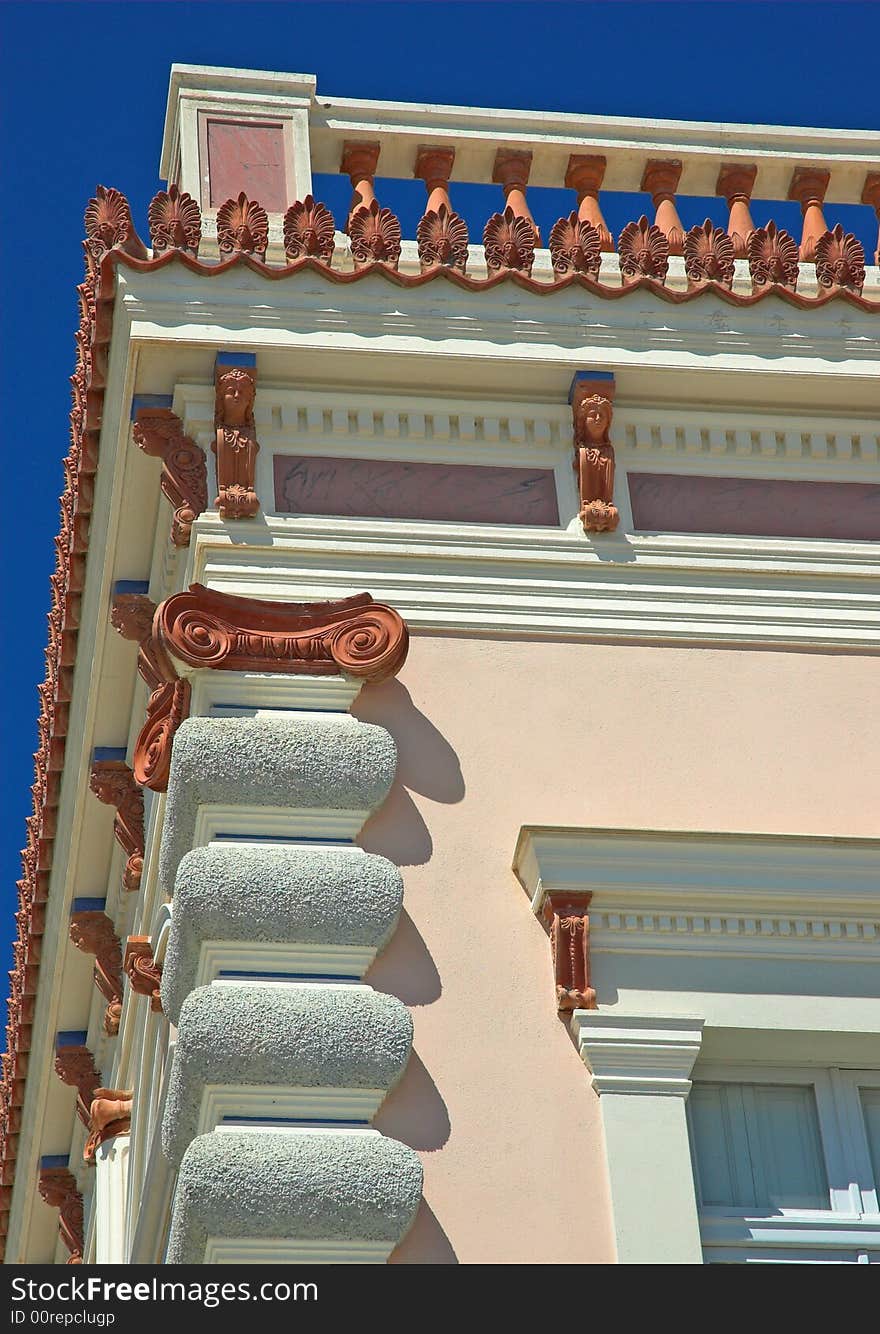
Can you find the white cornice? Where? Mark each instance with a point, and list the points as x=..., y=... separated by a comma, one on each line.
x=644, y=1054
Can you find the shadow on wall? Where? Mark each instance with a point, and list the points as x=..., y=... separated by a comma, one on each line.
x=414, y=1111
x=427, y=764
x=426, y=1243
x=405, y=967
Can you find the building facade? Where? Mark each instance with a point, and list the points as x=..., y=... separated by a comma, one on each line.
x=455, y=811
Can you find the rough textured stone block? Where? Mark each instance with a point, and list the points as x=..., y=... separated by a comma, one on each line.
x=281, y=1036
x=359, y=1187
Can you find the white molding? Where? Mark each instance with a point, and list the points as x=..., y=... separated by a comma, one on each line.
x=111, y=1190
x=214, y=819
x=242, y=956
x=644, y=1055
x=233, y=694
x=556, y=582
x=228, y=1104
x=291, y=1251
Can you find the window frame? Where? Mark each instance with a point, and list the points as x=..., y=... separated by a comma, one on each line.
x=849, y=1229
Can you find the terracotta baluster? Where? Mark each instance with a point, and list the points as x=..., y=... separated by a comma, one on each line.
x=442, y=235
x=511, y=172
x=736, y=183
x=585, y=174
x=808, y=186
x=871, y=195
x=660, y=180
x=359, y=163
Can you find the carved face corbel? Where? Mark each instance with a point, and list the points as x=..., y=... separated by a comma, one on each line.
x=592, y=412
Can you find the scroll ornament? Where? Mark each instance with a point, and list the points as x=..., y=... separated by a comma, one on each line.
x=709, y=255
x=375, y=236
x=142, y=971
x=93, y=933
x=113, y=783
x=57, y=1186
x=594, y=463
x=442, y=238
x=773, y=257
x=235, y=443
x=643, y=250
x=840, y=260
x=159, y=433
x=309, y=231
x=242, y=228
x=175, y=222
x=509, y=242
x=575, y=247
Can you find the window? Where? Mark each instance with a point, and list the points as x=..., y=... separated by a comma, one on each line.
x=787, y=1164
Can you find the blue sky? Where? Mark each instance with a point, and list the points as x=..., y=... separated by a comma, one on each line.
x=83, y=100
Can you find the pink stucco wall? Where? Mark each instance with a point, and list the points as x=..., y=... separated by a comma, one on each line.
x=497, y=734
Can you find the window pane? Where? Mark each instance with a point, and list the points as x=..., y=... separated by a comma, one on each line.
x=871, y=1109
x=758, y=1146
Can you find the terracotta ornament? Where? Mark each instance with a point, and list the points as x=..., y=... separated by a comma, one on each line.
x=354, y=635
x=871, y=195
x=175, y=222
x=592, y=408
x=509, y=243
x=442, y=236
x=142, y=971
x=75, y=1065
x=567, y=919
x=773, y=258
x=93, y=933
x=660, y=180
x=644, y=251
x=709, y=255
x=359, y=162
x=113, y=782
x=159, y=433
x=736, y=183
x=109, y=226
x=840, y=260
x=309, y=231
x=235, y=443
x=511, y=172
x=57, y=1186
x=585, y=173
x=375, y=236
x=168, y=706
x=808, y=186
x=575, y=247
x=242, y=227
x=109, y=1115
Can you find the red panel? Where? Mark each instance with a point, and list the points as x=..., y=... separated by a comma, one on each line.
x=747, y=506
x=380, y=489
x=248, y=156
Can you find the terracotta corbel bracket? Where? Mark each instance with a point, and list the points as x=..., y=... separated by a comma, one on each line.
x=565, y=915
x=159, y=433
x=75, y=1065
x=93, y=933
x=114, y=783
x=57, y=1186
x=205, y=629
x=235, y=442
x=109, y=1115
x=592, y=398
x=142, y=970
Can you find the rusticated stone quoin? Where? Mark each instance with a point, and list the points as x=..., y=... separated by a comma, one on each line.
x=235, y=442
x=57, y=1186
x=592, y=409
x=159, y=432
x=567, y=920
x=109, y=1115
x=93, y=933
x=113, y=783
x=143, y=973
